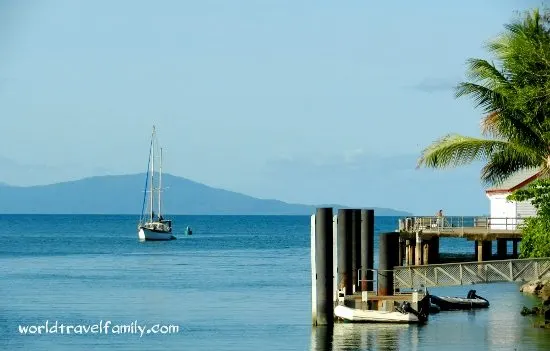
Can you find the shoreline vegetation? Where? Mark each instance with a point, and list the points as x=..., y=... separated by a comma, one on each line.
x=512, y=91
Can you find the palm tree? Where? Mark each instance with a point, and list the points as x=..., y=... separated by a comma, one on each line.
x=515, y=98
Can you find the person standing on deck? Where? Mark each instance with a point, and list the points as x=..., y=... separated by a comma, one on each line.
x=439, y=220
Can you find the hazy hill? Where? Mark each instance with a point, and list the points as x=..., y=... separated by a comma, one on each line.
x=124, y=195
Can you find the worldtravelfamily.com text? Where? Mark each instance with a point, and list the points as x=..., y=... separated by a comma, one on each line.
x=103, y=327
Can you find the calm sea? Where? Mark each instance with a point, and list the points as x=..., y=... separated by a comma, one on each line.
x=238, y=283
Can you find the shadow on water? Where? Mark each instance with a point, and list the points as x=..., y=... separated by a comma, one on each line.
x=354, y=336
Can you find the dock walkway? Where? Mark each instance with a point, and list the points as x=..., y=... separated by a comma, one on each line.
x=449, y=274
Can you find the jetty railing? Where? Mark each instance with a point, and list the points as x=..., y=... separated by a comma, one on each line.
x=375, y=273
x=442, y=224
x=448, y=274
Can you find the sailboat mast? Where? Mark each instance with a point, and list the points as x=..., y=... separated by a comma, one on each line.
x=152, y=171
x=160, y=177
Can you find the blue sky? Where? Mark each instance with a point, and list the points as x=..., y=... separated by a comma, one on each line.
x=303, y=101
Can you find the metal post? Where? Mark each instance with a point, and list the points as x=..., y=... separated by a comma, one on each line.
x=323, y=266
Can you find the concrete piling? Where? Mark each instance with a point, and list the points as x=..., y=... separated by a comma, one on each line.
x=401, y=251
x=434, y=250
x=387, y=248
x=355, y=248
x=323, y=263
x=502, y=248
x=425, y=252
x=344, y=251
x=367, y=249
x=418, y=253
x=407, y=252
x=483, y=250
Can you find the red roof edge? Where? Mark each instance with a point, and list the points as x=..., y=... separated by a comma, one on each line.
x=515, y=187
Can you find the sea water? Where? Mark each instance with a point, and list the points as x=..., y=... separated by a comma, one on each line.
x=237, y=283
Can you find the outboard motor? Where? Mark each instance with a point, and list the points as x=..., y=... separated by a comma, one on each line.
x=405, y=307
x=423, y=309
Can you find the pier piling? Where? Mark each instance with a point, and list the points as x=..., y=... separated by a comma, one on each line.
x=418, y=253
x=323, y=310
x=434, y=250
x=355, y=248
x=425, y=252
x=344, y=251
x=502, y=248
x=483, y=251
x=401, y=251
x=367, y=249
x=387, y=248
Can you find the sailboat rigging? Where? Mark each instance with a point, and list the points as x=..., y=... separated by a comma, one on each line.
x=154, y=226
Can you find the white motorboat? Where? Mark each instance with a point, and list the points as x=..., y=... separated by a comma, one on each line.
x=404, y=314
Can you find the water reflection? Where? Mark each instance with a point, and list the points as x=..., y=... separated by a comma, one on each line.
x=321, y=338
x=354, y=336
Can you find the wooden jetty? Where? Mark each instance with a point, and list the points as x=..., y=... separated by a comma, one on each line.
x=342, y=272
x=342, y=252
x=420, y=236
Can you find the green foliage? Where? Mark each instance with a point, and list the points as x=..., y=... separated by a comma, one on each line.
x=538, y=192
x=535, y=240
x=514, y=95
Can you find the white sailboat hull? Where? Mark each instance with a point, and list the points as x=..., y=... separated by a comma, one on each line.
x=372, y=316
x=145, y=234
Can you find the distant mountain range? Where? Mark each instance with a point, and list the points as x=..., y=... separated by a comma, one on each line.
x=123, y=194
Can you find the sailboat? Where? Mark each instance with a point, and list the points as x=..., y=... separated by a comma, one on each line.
x=153, y=226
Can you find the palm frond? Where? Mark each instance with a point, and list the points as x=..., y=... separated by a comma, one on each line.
x=489, y=100
x=513, y=127
x=482, y=71
x=507, y=161
x=454, y=150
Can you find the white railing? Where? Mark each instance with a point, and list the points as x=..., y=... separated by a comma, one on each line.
x=413, y=277
x=459, y=223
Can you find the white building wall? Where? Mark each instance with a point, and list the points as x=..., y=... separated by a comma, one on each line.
x=503, y=212
x=526, y=209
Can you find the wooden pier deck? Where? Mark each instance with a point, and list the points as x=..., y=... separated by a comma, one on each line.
x=468, y=227
x=419, y=236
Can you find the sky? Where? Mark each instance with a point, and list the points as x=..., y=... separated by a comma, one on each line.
x=303, y=101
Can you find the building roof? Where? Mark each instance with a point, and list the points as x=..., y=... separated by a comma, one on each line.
x=515, y=181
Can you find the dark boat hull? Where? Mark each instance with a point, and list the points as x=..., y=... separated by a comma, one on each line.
x=448, y=303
